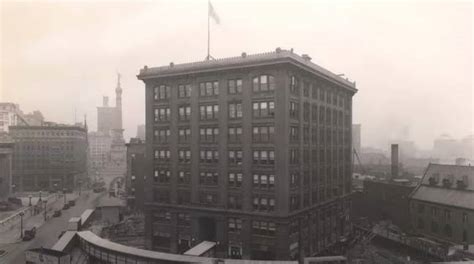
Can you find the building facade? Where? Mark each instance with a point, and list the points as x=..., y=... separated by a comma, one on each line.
x=136, y=174
x=9, y=115
x=99, y=149
x=253, y=152
x=107, y=144
x=442, y=206
x=51, y=157
x=6, y=152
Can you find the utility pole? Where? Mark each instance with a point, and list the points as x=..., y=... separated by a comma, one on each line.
x=21, y=224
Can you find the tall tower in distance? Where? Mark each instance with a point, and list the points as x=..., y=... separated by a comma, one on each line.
x=118, y=102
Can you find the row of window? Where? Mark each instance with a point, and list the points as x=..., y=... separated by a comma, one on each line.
x=263, y=157
x=260, y=133
x=263, y=109
x=262, y=181
x=435, y=212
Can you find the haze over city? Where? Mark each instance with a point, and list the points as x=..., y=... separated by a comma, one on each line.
x=413, y=70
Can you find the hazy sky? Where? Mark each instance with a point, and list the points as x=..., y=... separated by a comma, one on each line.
x=412, y=61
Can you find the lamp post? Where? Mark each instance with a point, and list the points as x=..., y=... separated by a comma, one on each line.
x=40, y=197
x=21, y=224
x=45, y=202
x=30, y=199
x=64, y=193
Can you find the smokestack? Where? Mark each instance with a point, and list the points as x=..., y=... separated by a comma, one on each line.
x=394, y=161
x=105, y=101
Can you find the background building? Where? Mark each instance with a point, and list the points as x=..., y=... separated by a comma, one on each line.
x=141, y=132
x=442, y=205
x=356, y=134
x=136, y=174
x=253, y=152
x=107, y=144
x=49, y=157
x=6, y=150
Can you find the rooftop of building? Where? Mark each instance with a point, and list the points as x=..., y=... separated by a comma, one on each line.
x=450, y=185
x=246, y=60
x=49, y=125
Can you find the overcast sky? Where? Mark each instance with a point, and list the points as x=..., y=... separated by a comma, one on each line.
x=412, y=61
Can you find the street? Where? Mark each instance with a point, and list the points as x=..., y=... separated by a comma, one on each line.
x=47, y=234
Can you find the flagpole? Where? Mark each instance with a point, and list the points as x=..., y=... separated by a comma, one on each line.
x=208, y=31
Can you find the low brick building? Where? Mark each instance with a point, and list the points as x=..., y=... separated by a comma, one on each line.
x=442, y=206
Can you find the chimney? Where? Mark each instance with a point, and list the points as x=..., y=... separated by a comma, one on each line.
x=394, y=161
x=306, y=57
x=105, y=101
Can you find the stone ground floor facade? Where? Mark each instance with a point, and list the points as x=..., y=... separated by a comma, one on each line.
x=248, y=235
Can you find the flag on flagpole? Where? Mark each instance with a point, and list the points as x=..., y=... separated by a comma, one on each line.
x=213, y=14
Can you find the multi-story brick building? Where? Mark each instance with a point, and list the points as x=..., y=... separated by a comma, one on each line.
x=253, y=152
x=136, y=174
x=442, y=206
x=6, y=151
x=49, y=157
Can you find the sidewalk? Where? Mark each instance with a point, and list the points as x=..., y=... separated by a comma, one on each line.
x=11, y=234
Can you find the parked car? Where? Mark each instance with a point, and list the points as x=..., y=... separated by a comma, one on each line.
x=57, y=213
x=72, y=203
x=29, y=234
x=66, y=206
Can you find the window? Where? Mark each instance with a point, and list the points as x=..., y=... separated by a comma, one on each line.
x=315, y=91
x=235, y=110
x=161, y=92
x=421, y=208
x=234, y=224
x=263, y=228
x=464, y=217
x=306, y=89
x=208, y=134
x=184, y=135
x=420, y=223
x=447, y=215
x=208, y=156
x=162, y=155
x=235, y=86
x=208, y=178
x=184, y=113
x=294, y=202
x=294, y=134
x=265, y=181
x=294, y=110
x=264, y=109
x=184, y=219
x=208, y=198
x=184, y=177
x=235, y=179
x=235, y=134
x=294, y=85
x=234, y=202
x=161, y=196
x=294, y=179
x=263, y=203
x=162, y=176
x=162, y=114
x=434, y=211
x=209, y=88
x=306, y=134
x=263, y=133
x=162, y=135
x=263, y=83
x=434, y=227
x=184, y=156
x=448, y=231
x=184, y=90
x=235, y=157
x=294, y=156
x=209, y=112
x=306, y=112
x=184, y=197
x=264, y=157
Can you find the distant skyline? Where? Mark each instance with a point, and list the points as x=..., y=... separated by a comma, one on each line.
x=412, y=60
